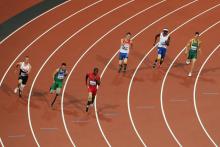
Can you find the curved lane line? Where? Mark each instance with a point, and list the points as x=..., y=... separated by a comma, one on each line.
x=36, y=39
x=32, y=21
x=162, y=87
x=138, y=135
x=64, y=88
x=1, y=142
x=131, y=81
x=59, y=47
x=194, y=96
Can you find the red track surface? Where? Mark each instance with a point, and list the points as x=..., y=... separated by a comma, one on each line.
x=112, y=96
x=10, y=8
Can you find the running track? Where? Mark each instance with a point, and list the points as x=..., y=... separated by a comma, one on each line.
x=30, y=120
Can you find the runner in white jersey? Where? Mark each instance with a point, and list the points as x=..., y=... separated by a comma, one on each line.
x=162, y=46
x=126, y=45
x=24, y=70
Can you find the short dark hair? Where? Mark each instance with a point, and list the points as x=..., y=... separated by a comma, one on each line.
x=196, y=33
x=63, y=64
x=128, y=33
x=95, y=69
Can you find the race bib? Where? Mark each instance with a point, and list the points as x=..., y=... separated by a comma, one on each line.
x=92, y=83
x=125, y=47
x=194, y=47
x=60, y=76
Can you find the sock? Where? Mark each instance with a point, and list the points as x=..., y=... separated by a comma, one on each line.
x=125, y=66
x=161, y=61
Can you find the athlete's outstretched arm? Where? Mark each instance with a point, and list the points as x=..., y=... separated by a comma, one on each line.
x=155, y=40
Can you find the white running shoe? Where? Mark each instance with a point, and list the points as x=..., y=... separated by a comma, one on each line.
x=16, y=90
x=190, y=74
x=187, y=62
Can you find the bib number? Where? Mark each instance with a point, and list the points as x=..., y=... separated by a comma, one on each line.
x=92, y=83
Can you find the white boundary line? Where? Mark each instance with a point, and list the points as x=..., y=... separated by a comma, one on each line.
x=162, y=87
x=33, y=20
x=59, y=47
x=194, y=96
x=131, y=81
x=1, y=142
x=64, y=88
x=36, y=39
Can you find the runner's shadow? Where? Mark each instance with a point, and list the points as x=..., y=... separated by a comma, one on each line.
x=7, y=90
x=104, y=61
x=107, y=108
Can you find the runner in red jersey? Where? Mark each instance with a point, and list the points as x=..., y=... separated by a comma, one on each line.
x=92, y=81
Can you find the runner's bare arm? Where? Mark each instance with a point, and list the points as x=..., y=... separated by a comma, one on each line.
x=55, y=72
x=122, y=41
x=155, y=40
x=30, y=69
x=168, y=41
x=188, y=47
x=87, y=76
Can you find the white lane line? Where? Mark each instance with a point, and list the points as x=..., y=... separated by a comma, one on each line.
x=33, y=20
x=59, y=47
x=40, y=36
x=1, y=142
x=167, y=72
x=131, y=81
x=194, y=97
x=64, y=88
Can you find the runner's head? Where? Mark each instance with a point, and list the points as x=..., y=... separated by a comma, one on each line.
x=128, y=35
x=63, y=66
x=196, y=35
x=26, y=60
x=95, y=71
x=165, y=31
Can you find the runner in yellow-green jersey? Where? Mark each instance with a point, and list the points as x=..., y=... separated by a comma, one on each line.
x=192, y=50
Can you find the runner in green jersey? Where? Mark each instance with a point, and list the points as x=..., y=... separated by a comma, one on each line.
x=192, y=50
x=58, y=77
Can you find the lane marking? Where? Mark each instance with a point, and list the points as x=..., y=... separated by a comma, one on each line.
x=59, y=47
x=17, y=136
x=194, y=97
x=40, y=36
x=64, y=88
x=33, y=20
x=1, y=142
x=137, y=133
x=131, y=81
x=80, y=121
x=211, y=93
x=167, y=72
x=110, y=114
x=49, y=129
x=145, y=107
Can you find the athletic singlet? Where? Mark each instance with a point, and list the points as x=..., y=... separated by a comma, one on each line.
x=162, y=41
x=24, y=69
x=61, y=74
x=125, y=47
x=194, y=45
